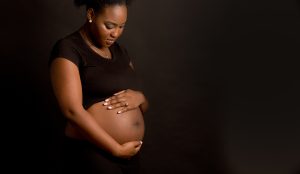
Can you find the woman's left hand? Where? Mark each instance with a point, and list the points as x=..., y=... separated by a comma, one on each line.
x=125, y=100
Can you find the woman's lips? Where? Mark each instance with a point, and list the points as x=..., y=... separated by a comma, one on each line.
x=110, y=41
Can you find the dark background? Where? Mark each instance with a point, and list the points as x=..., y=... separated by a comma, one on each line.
x=222, y=78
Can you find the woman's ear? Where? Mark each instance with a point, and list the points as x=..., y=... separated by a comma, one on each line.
x=90, y=15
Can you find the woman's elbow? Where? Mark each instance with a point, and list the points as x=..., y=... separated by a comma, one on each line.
x=71, y=112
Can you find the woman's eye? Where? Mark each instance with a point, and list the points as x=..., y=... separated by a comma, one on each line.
x=109, y=26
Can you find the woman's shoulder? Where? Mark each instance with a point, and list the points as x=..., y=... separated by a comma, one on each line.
x=68, y=40
x=66, y=47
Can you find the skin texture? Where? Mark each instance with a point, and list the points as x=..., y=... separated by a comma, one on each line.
x=125, y=108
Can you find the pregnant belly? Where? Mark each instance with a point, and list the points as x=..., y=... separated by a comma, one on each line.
x=124, y=127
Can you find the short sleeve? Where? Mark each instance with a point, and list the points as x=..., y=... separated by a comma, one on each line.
x=65, y=49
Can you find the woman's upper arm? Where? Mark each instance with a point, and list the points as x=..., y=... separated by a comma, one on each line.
x=66, y=85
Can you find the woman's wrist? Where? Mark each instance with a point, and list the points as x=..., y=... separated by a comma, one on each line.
x=142, y=97
x=144, y=103
x=116, y=150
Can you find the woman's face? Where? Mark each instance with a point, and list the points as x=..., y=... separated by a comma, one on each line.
x=108, y=25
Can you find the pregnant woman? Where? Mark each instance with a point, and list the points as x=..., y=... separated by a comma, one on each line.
x=94, y=82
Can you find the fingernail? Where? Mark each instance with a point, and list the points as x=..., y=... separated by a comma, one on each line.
x=141, y=142
x=109, y=107
x=107, y=100
x=105, y=103
x=119, y=112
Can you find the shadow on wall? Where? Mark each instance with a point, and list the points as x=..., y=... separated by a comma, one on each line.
x=33, y=119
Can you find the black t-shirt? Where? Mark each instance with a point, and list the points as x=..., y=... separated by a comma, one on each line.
x=100, y=77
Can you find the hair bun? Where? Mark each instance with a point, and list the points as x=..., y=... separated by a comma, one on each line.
x=81, y=2
x=96, y=4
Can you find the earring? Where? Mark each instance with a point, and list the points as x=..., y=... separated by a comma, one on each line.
x=90, y=21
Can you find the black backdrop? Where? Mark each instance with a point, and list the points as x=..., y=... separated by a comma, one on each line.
x=222, y=78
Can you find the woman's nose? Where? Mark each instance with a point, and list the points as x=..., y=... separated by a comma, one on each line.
x=115, y=33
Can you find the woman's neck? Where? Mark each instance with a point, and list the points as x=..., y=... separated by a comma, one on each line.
x=87, y=37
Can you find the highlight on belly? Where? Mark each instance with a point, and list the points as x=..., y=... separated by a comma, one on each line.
x=124, y=127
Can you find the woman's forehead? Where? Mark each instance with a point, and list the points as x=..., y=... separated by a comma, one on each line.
x=114, y=13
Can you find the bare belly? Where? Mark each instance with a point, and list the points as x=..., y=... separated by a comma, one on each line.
x=124, y=127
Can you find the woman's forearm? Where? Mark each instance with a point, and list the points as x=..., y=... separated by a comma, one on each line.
x=88, y=126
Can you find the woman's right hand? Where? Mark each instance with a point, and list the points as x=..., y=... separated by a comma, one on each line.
x=128, y=149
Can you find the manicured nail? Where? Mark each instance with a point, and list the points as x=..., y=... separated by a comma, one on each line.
x=141, y=142
x=105, y=103
x=109, y=107
x=119, y=112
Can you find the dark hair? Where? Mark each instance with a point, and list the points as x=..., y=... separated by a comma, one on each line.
x=98, y=5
